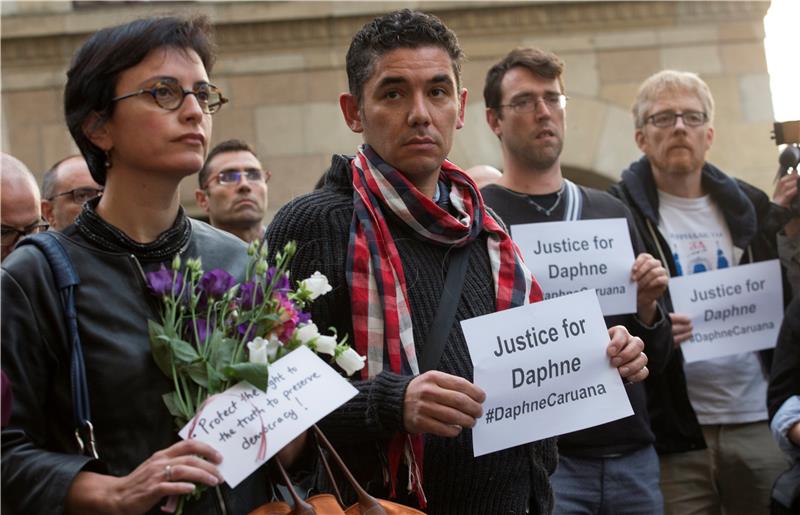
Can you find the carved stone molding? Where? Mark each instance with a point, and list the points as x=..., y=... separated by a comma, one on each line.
x=335, y=29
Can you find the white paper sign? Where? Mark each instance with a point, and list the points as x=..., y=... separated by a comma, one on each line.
x=302, y=390
x=733, y=310
x=545, y=372
x=566, y=257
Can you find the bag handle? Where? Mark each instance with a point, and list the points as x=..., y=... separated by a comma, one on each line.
x=368, y=504
x=445, y=314
x=67, y=279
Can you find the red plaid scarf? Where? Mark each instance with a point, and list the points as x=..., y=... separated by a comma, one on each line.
x=381, y=318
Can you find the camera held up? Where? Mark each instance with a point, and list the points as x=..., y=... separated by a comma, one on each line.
x=788, y=133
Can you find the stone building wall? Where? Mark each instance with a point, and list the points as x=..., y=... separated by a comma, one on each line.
x=282, y=64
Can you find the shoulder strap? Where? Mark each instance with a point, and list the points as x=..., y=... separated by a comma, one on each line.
x=446, y=313
x=574, y=204
x=67, y=279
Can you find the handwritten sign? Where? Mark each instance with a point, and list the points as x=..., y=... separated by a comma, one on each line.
x=733, y=310
x=566, y=257
x=545, y=372
x=302, y=390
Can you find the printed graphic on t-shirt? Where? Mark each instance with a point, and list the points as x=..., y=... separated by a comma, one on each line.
x=695, y=252
x=698, y=236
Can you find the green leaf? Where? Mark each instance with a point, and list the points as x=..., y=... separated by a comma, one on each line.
x=171, y=401
x=197, y=372
x=183, y=351
x=159, y=347
x=221, y=349
x=257, y=374
x=215, y=379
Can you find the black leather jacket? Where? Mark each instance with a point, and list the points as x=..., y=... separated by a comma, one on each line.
x=40, y=457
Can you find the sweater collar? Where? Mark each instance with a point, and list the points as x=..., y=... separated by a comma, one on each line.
x=739, y=212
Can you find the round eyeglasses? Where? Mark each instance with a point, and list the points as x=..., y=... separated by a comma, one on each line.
x=528, y=104
x=667, y=119
x=233, y=176
x=170, y=95
x=10, y=235
x=79, y=195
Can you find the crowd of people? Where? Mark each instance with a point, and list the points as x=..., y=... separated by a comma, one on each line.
x=384, y=224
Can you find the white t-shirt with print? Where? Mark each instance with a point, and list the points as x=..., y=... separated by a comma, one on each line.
x=730, y=389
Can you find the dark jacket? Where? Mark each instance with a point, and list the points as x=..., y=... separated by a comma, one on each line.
x=455, y=482
x=630, y=433
x=784, y=380
x=749, y=215
x=40, y=457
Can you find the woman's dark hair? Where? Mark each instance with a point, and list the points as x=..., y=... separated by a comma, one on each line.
x=96, y=66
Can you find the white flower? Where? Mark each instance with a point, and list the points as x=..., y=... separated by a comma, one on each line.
x=317, y=284
x=307, y=332
x=257, y=349
x=325, y=344
x=272, y=347
x=350, y=361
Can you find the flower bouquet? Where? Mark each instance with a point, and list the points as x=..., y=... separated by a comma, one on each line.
x=215, y=332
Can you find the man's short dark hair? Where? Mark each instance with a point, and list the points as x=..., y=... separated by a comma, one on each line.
x=50, y=177
x=398, y=29
x=539, y=62
x=98, y=63
x=230, y=145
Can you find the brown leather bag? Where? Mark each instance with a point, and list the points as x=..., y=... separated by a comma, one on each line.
x=327, y=504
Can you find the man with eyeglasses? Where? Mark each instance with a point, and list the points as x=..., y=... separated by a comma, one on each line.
x=66, y=186
x=613, y=467
x=20, y=210
x=709, y=417
x=233, y=190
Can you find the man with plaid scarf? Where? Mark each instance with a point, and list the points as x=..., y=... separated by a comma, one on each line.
x=384, y=229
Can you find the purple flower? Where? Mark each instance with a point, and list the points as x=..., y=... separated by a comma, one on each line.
x=282, y=284
x=303, y=317
x=164, y=282
x=250, y=295
x=201, y=329
x=215, y=283
x=246, y=335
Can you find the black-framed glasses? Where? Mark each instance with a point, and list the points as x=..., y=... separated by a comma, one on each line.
x=231, y=176
x=80, y=195
x=528, y=104
x=170, y=95
x=9, y=235
x=667, y=119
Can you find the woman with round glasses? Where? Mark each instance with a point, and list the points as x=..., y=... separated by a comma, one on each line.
x=138, y=103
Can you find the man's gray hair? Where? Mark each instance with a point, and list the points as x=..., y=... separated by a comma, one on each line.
x=672, y=81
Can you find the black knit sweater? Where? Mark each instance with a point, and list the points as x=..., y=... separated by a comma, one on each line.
x=454, y=481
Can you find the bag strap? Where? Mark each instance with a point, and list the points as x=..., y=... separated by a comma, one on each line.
x=67, y=279
x=446, y=313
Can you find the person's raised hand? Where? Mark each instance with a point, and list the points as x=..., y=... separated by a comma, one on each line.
x=651, y=281
x=681, y=328
x=626, y=353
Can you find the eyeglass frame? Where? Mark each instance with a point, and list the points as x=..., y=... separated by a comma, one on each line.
x=682, y=115
x=266, y=175
x=206, y=108
x=98, y=192
x=41, y=225
x=559, y=102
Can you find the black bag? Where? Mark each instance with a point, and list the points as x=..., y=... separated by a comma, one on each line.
x=67, y=279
